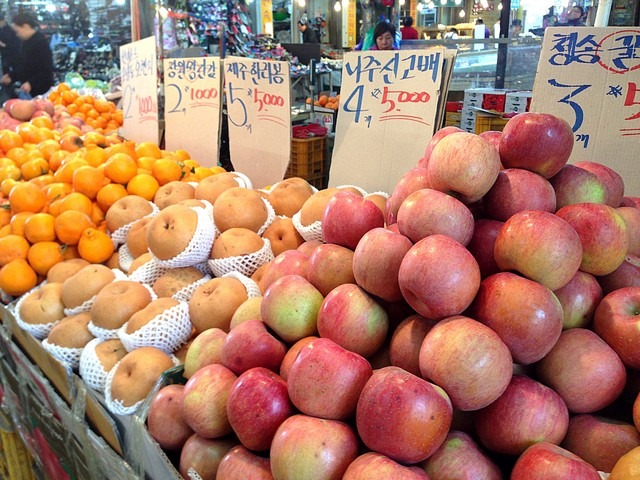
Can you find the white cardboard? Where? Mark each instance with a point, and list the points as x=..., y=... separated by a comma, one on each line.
x=192, y=107
x=258, y=96
x=388, y=105
x=139, y=73
x=591, y=78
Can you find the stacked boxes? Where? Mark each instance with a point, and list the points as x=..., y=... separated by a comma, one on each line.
x=494, y=100
x=518, y=102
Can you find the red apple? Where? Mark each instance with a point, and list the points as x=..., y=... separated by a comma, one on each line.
x=325, y=380
x=165, y=422
x=583, y=370
x=402, y=416
x=636, y=412
x=22, y=110
x=617, y=321
x=292, y=354
x=525, y=314
x=428, y=212
x=579, y=299
x=599, y=440
x=258, y=403
x=626, y=275
x=205, y=349
x=539, y=142
x=603, y=234
x=631, y=216
x=439, y=135
x=347, y=217
x=464, y=165
x=415, y=179
x=290, y=308
x=516, y=190
x=468, y=360
x=241, y=464
x=460, y=457
x=526, y=413
x=539, y=245
x=249, y=344
x=374, y=466
x=630, y=202
x=330, y=265
x=404, y=349
x=612, y=180
x=376, y=262
x=289, y=262
x=482, y=245
x=544, y=461
x=492, y=136
x=353, y=319
x=204, y=401
x=439, y=277
x=575, y=185
x=308, y=247
x=203, y=456
x=309, y=447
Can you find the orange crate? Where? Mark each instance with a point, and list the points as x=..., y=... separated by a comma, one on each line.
x=489, y=122
x=307, y=158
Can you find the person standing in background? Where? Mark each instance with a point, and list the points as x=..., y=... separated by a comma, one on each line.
x=487, y=32
x=34, y=68
x=407, y=30
x=9, y=46
x=574, y=17
x=308, y=34
x=384, y=36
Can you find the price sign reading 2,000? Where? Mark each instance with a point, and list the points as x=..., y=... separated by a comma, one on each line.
x=127, y=100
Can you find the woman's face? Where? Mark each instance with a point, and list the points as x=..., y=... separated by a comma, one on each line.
x=385, y=41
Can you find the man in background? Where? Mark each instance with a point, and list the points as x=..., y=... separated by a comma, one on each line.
x=574, y=17
x=308, y=34
x=9, y=46
x=407, y=31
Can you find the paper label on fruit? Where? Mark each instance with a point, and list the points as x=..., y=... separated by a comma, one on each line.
x=90, y=367
x=120, y=235
x=199, y=247
x=68, y=356
x=167, y=331
x=308, y=232
x=38, y=330
x=245, y=264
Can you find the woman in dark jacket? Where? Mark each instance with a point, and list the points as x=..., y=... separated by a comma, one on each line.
x=34, y=70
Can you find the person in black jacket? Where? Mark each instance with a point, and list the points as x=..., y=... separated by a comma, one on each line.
x=9, y=46
x=34, y=69
x=308, y=34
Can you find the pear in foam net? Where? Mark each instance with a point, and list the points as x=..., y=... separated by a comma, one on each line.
x=63, y=270
x=240, y=208
x=127, y=210
x=85, y=284
x=43, y=306
x=288, y=196
x=117, y=302
x=171, y=231
x=173, y=193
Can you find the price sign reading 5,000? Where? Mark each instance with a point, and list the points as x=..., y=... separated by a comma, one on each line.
x=393, y=100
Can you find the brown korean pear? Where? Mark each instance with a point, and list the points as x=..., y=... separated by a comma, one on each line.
x=137, y=237
x=214, y=303
x=117, y=302
x=236, y=242
x=72, y=331
x=63, y=270
x=314, y=206
x=149, y=313
x=288, y=196
x=282, y=235
x=109, y=352
x=43, y=306
x=171, y=231
x=240, y=208
x=210, y=188
x=175, y=279
x=85, y=284
x=127, y=210
x=173, y=193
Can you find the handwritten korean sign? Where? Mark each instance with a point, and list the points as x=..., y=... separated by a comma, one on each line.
x=388, y=104
x=139, y=73
x=192, y=107
x=591, y=78
x=258, y=105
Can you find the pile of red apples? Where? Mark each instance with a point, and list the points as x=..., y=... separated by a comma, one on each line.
x=485, y=324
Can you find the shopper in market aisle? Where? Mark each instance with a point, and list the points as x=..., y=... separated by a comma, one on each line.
x=34, y=69
x=308, y=34
x=384, y=36
x=574, y=17
x=9, y=45
x=407, y=30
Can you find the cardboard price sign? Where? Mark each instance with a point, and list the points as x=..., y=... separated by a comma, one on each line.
x=591, y=78
x=388, y=105
x=139, y=73
x=259, y=109
x=192, y=107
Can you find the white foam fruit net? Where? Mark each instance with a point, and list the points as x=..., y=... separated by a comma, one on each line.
x=124, y=257
x=186, y=292
x=115, y=405
x=308, y=232
x=148, y=272
x=243, y=180
x=90, y=367
x=120, y=235
x=87, y=304
x=166, y=331
x=250, y=286
x=70, y=356
x=38, y=330
x=271, y=216
x=199, y=247
x=245, y=264
x=193, y=474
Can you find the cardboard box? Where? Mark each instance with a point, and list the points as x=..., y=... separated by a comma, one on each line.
x=518, y=101
x=486, y=98
x=452, y=119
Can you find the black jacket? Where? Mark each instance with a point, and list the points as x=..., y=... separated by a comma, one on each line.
x=35, y=64
x=11, y=51
x=309, y=35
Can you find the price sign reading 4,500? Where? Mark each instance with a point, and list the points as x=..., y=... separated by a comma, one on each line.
x=191, y=97
x=392, y=100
